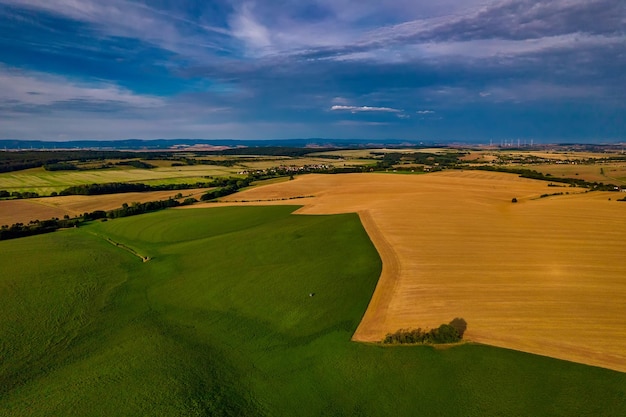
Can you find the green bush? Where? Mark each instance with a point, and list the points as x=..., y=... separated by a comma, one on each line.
x=446, y=333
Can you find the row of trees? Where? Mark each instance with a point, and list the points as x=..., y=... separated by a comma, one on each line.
x=16, y=161
x=226, y=186
x=136, y=163
x=445, y=159
x=36, y=227
x=129, y=187
x=535, y=175
x=63, y=160
x=446, y=333
x=69, y=166
x=192, y=161
x=17, y=194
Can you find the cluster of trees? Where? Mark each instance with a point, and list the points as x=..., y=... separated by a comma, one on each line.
x=128, y=187
x=141, y=208
x=60, y=166
x=136, y=163
x=35, y=227
x=550, y=195
x=226, y=186
x=63, y=160
x=68, y=166
x=16, y=161
x=535, y=175
x=447, y=159
x=17, y=194
x=192, y=161
x=446, y=333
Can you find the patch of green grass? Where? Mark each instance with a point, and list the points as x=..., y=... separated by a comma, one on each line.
x=45, y=182
x=220, y=322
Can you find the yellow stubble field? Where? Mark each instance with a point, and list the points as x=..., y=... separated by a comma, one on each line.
x=23, y=211
x=546, y=276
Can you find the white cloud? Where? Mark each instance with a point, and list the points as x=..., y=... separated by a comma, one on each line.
x=248, y=29
x=169, y=31
x=39, y=89
x=425, y=112
x=358, y=109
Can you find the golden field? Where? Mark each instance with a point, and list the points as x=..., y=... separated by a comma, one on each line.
x=23, y=211
x=545, y=276
x=614, y=173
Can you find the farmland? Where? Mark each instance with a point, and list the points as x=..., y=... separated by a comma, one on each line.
x=221, y=321
x=279, y=310
x=23, y=211
x=543, y=275
x=605, y=172
x=45, y=182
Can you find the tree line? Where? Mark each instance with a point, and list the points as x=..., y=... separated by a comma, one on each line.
x=16, y=161
x=226, y=186
x=18, y=194
x=536, y=175
x=36, y=227
x=129, y=187
x=446, y=333
x=61, y=160
x=445, y=159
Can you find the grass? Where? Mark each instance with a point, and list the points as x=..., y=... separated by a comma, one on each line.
x=220, y=322
x=45, y=182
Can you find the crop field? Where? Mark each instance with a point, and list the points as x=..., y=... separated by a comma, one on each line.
x=543, y=275
x=298, y=162
x=556, y=154
x=45, y=182
x=614, y=173
x=221, y=321
x=359, y=154
x=23, y=211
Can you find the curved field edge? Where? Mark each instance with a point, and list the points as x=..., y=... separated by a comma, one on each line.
x=542, y=275
x=221, y=322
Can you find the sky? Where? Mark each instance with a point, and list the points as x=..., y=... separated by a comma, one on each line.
x=471, y=70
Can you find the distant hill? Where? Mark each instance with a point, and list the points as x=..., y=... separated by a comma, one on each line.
x=139, y=144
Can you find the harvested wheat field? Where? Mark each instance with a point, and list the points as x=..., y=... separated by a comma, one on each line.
x=543, y=275
x=23, y=211
x=14, y=211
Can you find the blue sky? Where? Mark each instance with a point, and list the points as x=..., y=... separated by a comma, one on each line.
x=406, y=69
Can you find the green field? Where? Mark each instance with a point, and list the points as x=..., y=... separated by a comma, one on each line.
x=45, y=182
x=220, y=322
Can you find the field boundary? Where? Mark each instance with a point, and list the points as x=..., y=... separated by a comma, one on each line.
x=123, y=247
x=376, y=313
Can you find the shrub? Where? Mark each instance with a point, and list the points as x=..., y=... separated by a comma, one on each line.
x=446, y=333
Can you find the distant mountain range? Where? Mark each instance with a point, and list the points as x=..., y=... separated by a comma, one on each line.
x=139, y=144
